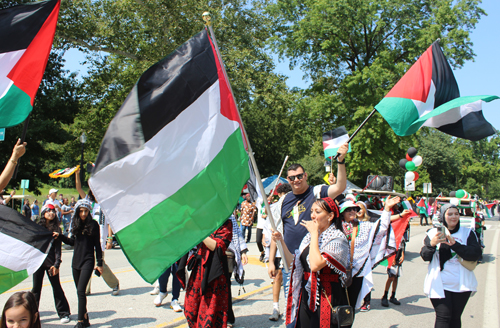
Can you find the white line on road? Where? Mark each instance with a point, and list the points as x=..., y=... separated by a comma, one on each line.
x=490, y=316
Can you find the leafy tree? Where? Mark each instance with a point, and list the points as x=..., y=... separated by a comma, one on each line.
x=123, y=38
x=50, y=143
x=354, y=51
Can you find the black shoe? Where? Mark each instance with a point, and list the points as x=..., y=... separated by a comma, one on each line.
x=86, y=322
x=262, y=255
x=394, y=300
x=79, y=324
x=384, y=302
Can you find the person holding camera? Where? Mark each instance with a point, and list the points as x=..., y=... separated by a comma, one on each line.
x=452, y=252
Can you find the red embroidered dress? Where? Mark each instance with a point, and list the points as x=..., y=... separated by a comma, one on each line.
x=307, y=300
x=207, y=293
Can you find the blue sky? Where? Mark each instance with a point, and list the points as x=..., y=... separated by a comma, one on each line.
x=480, y=77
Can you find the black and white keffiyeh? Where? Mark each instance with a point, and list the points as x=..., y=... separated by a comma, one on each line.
x=334, y=248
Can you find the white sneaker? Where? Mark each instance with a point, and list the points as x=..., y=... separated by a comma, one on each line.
x=65, y=319
x=175, y=306
x=160, y=298
x=116, y=290
x=155, y=291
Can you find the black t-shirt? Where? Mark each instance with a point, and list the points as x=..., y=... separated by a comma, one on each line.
x=27, y=211
x=294, y=233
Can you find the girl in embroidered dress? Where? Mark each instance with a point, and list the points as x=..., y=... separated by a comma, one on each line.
x=448, y=283
x=319, y=267
x=370, y=246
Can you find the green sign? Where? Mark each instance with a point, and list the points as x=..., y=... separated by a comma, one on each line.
x=25, y=184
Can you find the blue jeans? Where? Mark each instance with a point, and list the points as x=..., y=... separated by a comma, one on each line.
x=176, y=285
x=249, y=229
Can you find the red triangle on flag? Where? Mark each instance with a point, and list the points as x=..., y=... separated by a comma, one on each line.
x=416, y=83
x=421, y=203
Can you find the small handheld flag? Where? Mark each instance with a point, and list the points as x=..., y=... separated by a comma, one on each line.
x=332, y=140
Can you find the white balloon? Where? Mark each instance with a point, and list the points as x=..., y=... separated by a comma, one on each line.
x=417, y=160
x=454, y=201
x=410, y=176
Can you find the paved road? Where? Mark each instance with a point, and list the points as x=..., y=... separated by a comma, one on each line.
x=134, y=306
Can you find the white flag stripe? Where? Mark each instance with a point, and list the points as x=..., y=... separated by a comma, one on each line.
x=16, y=255
x=169, y=160
x=426, y=107
x=337, y=142
x=7, y=61
x=454, y=115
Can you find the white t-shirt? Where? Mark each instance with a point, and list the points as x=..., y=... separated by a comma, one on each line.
x=96, y=215
x=450, y=275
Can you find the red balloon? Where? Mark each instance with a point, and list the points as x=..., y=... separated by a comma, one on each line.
x=408, y=157
x=416, y=176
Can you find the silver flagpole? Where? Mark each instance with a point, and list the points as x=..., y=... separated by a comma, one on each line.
x=207, y=19
x=279, y=175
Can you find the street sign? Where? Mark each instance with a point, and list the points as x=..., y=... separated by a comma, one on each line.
x=2, y=134
x=427, y=188
x=25, y=184
x=410, y=186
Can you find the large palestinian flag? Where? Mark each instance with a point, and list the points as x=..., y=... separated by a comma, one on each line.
x=27, y=34
x=428, y=95
x=172, y=163
x=23, y=247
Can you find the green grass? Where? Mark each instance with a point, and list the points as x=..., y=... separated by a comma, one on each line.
x=67, y=193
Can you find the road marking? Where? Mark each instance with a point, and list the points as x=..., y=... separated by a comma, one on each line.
x=166, y=324
x=62, y=282
x=490, y=314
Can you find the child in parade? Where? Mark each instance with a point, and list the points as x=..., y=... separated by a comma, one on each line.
x=394, y=273
x=49, y=220
x=86, y=240
x=21, y=311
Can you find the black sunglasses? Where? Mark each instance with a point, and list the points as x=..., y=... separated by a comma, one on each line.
x=298, y=176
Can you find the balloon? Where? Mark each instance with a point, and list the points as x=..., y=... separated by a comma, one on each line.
x=417, y=160
x=410, y=166
x=460, y=193
x=412, y=152
x=410, y=176
x=416, y=176
x=454, y=201
x=408, y=158
x=402, y=163
x=453, y=193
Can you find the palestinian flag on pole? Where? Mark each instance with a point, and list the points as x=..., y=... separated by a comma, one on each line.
x=27, y=35
x=23, y=247
x=489, y=209
x=172, y=163
x=332, y=140
x=428, y=95
x=422, y=203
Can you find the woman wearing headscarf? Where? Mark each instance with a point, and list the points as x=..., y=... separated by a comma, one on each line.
x=319, y=268
x=85, y=238
x=371, y=245
x=448, y=283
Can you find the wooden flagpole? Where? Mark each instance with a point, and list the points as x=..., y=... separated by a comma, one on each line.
x=207, y=19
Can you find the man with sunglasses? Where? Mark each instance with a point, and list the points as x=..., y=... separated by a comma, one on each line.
x=296, y=207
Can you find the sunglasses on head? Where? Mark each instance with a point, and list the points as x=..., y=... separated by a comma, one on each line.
x=298, y=176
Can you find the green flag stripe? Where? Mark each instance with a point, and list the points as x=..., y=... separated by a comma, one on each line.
x=15, y=106
x=170, y=229
x=402, y=115
x=9, y=278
